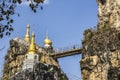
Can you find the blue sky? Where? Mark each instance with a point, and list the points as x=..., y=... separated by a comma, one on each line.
x=63, y=20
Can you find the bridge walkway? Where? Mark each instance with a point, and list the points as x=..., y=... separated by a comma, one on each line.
x=67, y=51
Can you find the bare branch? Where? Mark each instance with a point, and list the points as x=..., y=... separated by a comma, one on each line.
x=2, y=48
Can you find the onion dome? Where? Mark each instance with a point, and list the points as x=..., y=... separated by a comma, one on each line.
x=47, y=41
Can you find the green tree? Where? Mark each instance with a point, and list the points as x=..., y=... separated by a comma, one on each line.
x=7, y=9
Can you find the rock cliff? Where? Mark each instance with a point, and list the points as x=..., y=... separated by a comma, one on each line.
x=109, y=13
x=40, y=72
x=101, y=45
x=46, y=69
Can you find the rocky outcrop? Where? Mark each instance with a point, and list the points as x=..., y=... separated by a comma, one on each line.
x=40, y=72
x=15, y=57
x=109, y=13
x=101, y=46
x=101, y=56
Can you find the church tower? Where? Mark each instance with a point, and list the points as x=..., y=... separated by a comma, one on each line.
x=31, y=57
x=48, y=45
x=24, y=56
x=27, y=36
x=47, y=42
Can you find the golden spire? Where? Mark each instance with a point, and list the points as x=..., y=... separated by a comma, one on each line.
x=32, y=47
x=27, y=36
x=47, y=40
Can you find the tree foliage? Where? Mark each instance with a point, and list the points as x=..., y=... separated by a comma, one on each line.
x=7, y=9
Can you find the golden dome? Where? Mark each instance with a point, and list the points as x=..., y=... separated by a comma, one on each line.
x=47, y=40
x=32, y=47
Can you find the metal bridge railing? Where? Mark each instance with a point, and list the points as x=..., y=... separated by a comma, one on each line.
x=68, y=48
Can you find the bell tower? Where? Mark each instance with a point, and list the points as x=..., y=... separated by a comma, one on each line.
x=48, y=45
x=27, y=36
x=31, y=58
x=47, y=42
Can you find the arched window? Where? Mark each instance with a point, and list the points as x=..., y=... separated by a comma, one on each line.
x=35, y=57
x=26, y=57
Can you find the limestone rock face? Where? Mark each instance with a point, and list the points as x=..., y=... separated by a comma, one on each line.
x=16, y=55
x=101, y=46
x=40, y=72
x=101, y=56
x=109, y=12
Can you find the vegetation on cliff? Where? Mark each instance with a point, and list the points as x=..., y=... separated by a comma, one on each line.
x=40, y=72
x=101, y=53
x=47, y=67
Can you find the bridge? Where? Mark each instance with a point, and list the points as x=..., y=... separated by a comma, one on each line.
x=67, y=51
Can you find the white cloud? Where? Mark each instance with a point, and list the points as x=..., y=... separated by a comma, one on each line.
x=46, y=2
x=26, y=3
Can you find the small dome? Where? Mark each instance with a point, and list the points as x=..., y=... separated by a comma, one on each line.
x=47, y=41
